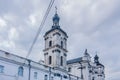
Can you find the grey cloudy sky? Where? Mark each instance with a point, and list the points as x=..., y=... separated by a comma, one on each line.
x=91, y=24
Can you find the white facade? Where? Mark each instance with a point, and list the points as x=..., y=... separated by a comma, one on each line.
x=55, y=66
x=85, y=68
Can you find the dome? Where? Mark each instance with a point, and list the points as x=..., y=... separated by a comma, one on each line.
x=56, y=17
x=96, y=57
x=56, y=20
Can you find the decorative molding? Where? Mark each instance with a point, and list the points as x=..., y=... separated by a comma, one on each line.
x=56, y=33
x=58, y=46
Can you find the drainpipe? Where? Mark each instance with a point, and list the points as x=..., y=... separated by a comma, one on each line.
x=69, y=77
x=81, y=67
x=61, y=77
x=77, y=78
x=49, y=73
x=29, y=65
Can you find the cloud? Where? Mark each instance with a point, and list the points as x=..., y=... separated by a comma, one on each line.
x=92, y=24
x=3, y=23
x=7, y=44
x=13, y=34
x=34, y=19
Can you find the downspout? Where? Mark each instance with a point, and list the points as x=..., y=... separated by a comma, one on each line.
x=29, y=66
x=77, y=78
x=61, y=77
x=81, y=67
x=49, y=73
x=69, y=77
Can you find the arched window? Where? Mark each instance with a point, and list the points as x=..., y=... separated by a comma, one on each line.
x=50, y=43
x=61, y=62
x=20, y=71
x=93, y=78
x=61, y=44
x=50, y=59
x=46, y=77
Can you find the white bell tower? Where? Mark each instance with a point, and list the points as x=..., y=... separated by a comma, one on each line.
x=55, y=52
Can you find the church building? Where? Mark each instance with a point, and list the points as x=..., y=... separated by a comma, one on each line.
x=56, y=66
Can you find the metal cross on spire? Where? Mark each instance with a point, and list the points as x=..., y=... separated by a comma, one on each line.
x=56, y=9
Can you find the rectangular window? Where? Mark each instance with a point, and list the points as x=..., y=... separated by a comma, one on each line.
x=35, y=75
x=52, y=78
x=1, y=69
x=50, y=59
x=46, y=77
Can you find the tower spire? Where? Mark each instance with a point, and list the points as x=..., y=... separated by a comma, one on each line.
x=55, y=51
x=96, y=59
x=55, y=9
x=56, y=19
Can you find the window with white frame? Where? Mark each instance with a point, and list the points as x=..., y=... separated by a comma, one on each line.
x=52, y=78
x=46, y=77
x=35, y=75
x=20, y=71
x=1, y=69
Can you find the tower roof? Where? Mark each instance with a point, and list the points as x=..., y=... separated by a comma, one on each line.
x=56, y=19
x=96, y=60
x=52, y=29
x=76, y=60
x=96, y=57
x=55, y=25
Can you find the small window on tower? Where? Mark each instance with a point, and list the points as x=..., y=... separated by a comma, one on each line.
x=50, y=59
x=61, y=61
x=50, y=43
